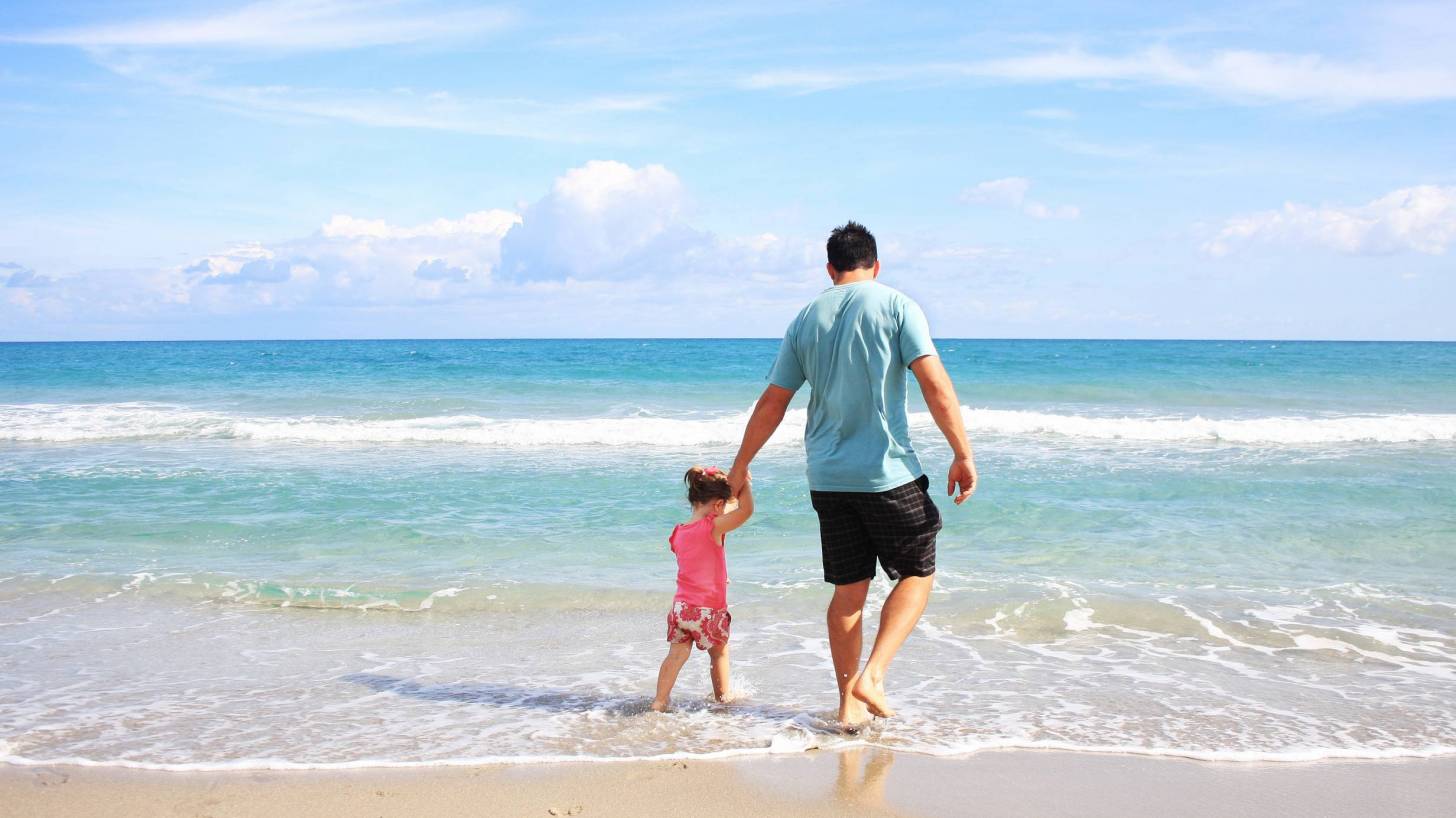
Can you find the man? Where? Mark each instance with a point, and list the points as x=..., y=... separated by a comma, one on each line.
x=853, y=344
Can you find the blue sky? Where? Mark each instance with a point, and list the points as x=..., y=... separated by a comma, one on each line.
x=426, y=168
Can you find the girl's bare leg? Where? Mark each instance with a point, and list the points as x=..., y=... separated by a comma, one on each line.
x=719, y=656
x=677, y=656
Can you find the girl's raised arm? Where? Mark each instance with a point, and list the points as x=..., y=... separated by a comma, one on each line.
x=729, y=520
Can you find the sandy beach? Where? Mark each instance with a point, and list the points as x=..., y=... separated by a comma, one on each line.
x=863, y=781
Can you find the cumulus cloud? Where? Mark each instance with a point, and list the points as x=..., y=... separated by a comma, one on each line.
x=437, y=270
x=1011, y=192
x=22, y=276
x=609, y=249
x=353, y=261
x=599, y=219
x=261, y=271
x=1420, y=219
x=606, y=240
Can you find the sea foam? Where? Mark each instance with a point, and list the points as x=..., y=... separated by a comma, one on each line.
x=67, y=423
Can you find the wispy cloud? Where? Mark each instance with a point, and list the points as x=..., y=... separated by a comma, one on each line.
x=288, y=24
x=1011, y=192
x=592, y=117
x=1242, y=76
x=1420, y=219
x=566, y=121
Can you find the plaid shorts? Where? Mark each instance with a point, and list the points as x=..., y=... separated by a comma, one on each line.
x=897, y=527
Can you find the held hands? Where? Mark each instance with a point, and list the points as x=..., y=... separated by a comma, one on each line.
x=738, y=480
x=963, y=477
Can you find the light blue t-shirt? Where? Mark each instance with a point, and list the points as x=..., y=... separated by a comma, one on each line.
x=854, y=344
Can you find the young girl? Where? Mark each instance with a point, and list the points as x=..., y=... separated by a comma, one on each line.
x=700, y=609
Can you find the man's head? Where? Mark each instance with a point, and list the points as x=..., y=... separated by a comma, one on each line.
x=851, y=248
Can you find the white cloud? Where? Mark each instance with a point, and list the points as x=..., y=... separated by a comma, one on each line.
x=607, y=240
x=258, y=270
x=436, y=269
x=569, y=121
x=1011, y=192
x=1420, y=219
x=177, y=55
x=489, y=223
x=349, y=262
x=610, y=249
x=597, y=219
x=599, y=117
x=1239, y=75
x=288, y=24
x=19, y=275
x=810, y=81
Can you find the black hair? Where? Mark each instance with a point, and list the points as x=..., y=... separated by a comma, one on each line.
x=851, y=247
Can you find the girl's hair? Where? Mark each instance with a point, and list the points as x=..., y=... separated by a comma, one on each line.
x=706, y=484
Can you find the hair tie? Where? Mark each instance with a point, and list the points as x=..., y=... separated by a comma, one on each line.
x=711, y=471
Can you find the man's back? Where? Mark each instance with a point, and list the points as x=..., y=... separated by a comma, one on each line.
x=853, y=344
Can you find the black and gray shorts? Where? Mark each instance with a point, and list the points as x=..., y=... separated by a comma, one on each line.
x=897, y=527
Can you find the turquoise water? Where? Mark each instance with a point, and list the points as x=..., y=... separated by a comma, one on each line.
x=335, y=553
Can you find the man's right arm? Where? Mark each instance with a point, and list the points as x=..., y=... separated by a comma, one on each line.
x=945, y=407
x=768, y=413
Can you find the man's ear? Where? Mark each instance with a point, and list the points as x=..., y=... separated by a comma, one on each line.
x=877, y=269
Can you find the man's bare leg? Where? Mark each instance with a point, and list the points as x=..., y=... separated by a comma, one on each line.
x=901, y=612
x=846, y=642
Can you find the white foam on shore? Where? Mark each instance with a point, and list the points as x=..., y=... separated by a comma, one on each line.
x=971, y=748
x=1043, y=676
x=69, y=423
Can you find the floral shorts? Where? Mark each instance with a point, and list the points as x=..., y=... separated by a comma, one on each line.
x=705, y=627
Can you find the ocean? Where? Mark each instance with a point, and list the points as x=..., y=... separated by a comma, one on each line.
x=355, y=553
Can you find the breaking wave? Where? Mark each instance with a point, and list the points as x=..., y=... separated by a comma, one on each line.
x=68, y=423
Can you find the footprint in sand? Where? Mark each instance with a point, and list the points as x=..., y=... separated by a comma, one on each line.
x=51, y=778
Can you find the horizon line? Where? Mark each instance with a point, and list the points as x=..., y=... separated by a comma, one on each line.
x=718, y=338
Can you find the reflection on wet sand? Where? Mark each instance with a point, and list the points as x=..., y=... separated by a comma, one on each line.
x=863, y=787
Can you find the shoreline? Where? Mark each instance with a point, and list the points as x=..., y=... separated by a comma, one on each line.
x=278, y=765
x=860, y=780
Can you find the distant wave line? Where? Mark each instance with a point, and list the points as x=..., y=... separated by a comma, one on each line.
x=71, y=423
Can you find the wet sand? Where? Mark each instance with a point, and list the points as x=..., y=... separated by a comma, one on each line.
x=867, y=781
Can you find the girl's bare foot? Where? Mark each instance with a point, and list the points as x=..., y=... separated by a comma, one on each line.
x=659, y=706
x=872, y=693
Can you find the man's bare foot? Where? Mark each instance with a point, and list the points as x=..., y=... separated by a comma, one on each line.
x=659, y=706
x=872, y=693
x=852, y=715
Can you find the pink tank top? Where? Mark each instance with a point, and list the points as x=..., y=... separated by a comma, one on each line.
x=702, y=568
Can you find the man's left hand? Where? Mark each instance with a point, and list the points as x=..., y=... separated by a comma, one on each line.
x=962, y=477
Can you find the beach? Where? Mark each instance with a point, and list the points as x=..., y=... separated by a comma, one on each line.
x=1214, y=565
x=870, y=782
x=382, y=384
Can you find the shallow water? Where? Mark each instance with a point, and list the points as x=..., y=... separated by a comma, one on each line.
x=336, y=553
